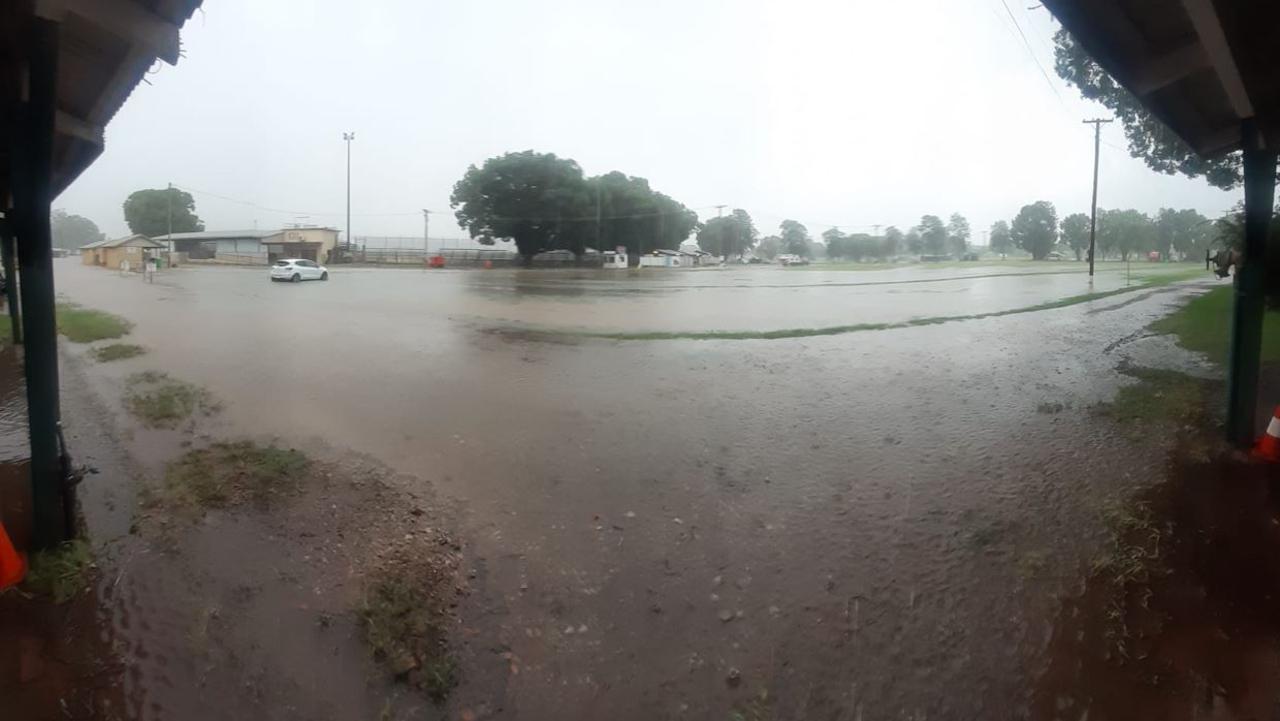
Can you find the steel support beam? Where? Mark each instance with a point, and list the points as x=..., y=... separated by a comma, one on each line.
x=32, y=195
x=1250, y=288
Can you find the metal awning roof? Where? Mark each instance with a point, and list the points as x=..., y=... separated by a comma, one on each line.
x=137, y=239
x=1200, y=66
x=105, y=49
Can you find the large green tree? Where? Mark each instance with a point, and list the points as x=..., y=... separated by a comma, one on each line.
x=769, y=247
x=1149, y=138
x=149, y=211
x=913, y=242
x=1000, y=239
x=894, y=242
x=958, y=233
x=538, y=200
x=627, y=212
x=795, y=238
x=1185, y=232
x=730, y=235
x=543, y=202
x=1125, y=232
x=933, y=233
x=1075, y=233
x=1035, y=229
x=72, y=231
x=837, y=243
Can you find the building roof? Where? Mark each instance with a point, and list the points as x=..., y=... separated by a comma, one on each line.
x=219, y=235
x=235, y=234
x=137, y=240
x=104, y=49
x=1200, y=66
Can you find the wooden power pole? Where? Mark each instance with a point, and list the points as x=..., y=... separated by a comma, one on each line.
x=1093, y=206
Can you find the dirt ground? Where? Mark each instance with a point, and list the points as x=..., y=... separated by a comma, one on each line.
x=896, y=523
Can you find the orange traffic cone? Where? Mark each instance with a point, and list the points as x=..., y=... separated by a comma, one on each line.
x=1268, y=446
x=13, y=567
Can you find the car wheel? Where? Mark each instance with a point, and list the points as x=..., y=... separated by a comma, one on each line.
x=324, y=276
x=296, y=278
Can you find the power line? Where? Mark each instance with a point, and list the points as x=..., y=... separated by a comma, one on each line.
x=256, y=206
x=530, y=219
x=1026, y=43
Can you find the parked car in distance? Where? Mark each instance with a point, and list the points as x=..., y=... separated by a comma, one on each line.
x=1055, y=255
x=298, y=269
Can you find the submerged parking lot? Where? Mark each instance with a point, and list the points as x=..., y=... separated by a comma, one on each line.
x=856, y=523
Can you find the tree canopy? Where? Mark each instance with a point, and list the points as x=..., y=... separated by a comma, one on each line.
x=933, y=234
x=1000, y=239
x=147, y=212
x=1185, y=232
x=769, y=247
x=913, y=242
x=835, y=239
x=1035, y=229
x=958, y=233
x=1149, y=139
x=795, y=238
x=1124, y=232
x=730, y=235
x=543, y=202
x=1075, y=233
x=631, y=214
x=894, y=241
x=72, y=231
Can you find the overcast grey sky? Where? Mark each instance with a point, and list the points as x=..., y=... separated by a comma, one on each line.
x=832, y=113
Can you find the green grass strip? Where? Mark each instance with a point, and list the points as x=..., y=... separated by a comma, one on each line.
x=1204, y=325
x=85, y=325
x=1147, y=284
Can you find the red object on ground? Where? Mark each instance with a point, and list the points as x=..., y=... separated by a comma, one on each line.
x=13, y=567
x=436, y=261
x=1268, y=446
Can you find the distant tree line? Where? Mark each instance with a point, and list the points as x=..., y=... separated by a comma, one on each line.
x=1174, y=234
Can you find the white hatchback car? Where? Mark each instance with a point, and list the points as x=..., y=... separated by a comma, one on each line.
x=298, y=269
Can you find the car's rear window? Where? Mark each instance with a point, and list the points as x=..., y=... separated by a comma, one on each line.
x=282, y=262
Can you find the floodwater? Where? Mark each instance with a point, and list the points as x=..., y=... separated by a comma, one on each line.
x=849, y=526
x=15, y=487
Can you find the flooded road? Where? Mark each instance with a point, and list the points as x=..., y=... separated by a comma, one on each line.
x=848, y=526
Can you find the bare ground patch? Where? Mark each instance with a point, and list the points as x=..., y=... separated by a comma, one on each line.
x=341, y=538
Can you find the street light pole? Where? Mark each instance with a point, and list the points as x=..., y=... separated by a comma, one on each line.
x=168, y=235
x=349, y=137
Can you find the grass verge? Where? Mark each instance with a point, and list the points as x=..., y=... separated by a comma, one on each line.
x=85, y=325
x=1146, y=282
x=1159, y=396
x=162, y=402
x=231, y=474
x=403, y=628
x=117, y=351
x=59, y=573
x=1204, y=325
